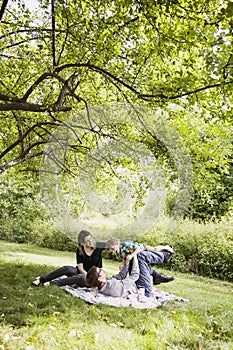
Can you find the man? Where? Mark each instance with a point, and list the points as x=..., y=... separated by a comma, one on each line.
x=119, y=285
x=122, y=285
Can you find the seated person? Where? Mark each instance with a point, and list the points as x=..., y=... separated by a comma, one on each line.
x=88, y=253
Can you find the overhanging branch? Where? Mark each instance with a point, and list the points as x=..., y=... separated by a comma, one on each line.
x=3, y=7
x=30, y=107
x=19, y=160
x=21, y=104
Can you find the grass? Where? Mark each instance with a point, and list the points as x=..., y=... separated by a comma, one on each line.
x=48, y=318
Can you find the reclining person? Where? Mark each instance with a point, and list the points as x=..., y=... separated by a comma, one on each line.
x=122, y=284
x=114, y=246
x=119, y=285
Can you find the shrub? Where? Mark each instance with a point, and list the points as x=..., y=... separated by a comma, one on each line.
x=19, y=206
x=46, y=234
x=204, y=249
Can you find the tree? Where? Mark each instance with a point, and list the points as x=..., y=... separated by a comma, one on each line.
x=70, y=55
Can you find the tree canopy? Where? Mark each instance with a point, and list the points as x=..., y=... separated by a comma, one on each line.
x=175, y=56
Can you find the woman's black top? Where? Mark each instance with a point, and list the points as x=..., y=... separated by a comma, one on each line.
x=94, y=259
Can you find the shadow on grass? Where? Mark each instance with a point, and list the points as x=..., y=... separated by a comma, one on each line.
x=23, y=305
x=20, y=302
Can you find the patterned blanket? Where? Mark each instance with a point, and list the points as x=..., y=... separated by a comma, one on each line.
x=157, y=298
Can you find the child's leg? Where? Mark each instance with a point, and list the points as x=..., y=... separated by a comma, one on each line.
x=159, y=248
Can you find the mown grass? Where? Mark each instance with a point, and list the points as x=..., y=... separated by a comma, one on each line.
x=48, y=318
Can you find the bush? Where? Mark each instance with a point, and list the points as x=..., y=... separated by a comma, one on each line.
x=203, y=249
x=216, y=257
x=19, y=206
x=23, y=219
x=46, y=234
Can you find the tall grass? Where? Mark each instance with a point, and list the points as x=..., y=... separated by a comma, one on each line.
x=48, y=318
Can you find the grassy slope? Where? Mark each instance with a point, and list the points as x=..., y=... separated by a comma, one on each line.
x=47, y=318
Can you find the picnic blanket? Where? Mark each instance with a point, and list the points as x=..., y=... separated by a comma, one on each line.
x=158, y=298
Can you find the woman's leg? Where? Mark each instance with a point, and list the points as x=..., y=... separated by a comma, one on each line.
x=76, y=281
x=64, y=270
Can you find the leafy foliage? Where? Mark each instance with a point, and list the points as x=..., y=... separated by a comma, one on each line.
x=202, y=249
x=146, y=52
x=19, y=206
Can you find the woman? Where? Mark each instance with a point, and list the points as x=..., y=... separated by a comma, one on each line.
x=88, y=254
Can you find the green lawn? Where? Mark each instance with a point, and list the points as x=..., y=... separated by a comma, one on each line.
x=48, y=318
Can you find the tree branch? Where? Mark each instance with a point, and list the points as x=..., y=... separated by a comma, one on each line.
x=53, y=33
x=23, y=136
x=37, y=82
x=19, y=160
x=211, y=86
x=30, y=107
x=16, y=103
x=3, y=7
x=131, y=88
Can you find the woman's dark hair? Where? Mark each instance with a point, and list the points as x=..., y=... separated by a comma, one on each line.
x=82, y=234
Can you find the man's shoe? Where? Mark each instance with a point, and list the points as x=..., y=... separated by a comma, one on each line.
x=159, y=278
x=37, y=282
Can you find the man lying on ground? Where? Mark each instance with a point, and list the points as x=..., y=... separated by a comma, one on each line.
x=122, y=284
x=119, y=285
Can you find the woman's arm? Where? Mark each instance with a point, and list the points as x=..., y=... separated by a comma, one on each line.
x=81, y=269
x=79, y=260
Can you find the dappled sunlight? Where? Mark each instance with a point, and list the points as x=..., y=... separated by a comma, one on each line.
x=46, y=318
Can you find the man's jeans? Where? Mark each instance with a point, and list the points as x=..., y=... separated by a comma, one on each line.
x=145, y=258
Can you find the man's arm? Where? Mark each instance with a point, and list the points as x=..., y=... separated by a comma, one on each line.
x=134, y=274
x=123, y=272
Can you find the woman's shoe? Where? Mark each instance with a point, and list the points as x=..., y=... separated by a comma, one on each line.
x=36, y=282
